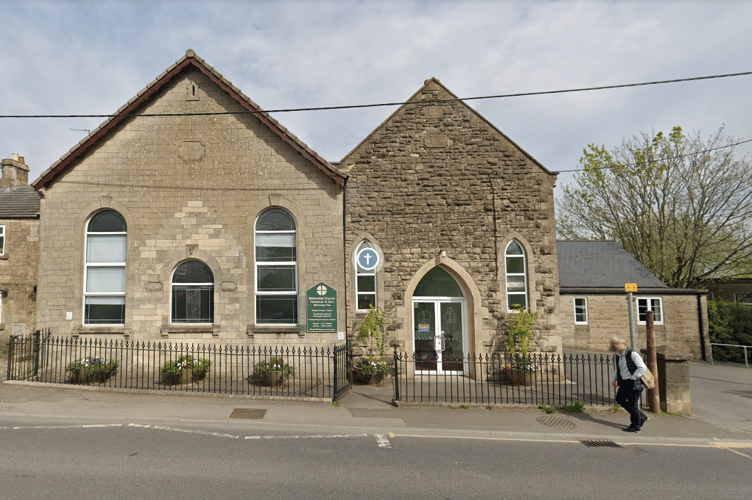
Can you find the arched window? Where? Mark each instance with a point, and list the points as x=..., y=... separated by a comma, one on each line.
x=104, y=283
x=276, y=268
x=192, y=293
x=516, y=276
x=365, y=279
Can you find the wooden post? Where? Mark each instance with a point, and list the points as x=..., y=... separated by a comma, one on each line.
x=654, y=398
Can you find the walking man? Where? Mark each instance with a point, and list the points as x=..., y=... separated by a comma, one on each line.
x=629, y=369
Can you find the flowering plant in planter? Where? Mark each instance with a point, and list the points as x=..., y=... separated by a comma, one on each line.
x=91, y=369
x=273, y=371
x=173, y=371
x=370, y=367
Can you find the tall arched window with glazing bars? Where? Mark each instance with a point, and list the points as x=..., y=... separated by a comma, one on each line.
x=104, y=280
x=516, y=276
x=276, y=268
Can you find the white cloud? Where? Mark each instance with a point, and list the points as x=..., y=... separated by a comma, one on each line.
x=92, y=57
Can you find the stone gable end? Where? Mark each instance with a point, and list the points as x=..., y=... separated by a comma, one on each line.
x=437, y=177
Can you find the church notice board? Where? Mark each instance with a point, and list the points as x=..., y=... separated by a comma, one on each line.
x=322, y=308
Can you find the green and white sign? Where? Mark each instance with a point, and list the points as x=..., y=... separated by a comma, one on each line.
x=322, y=308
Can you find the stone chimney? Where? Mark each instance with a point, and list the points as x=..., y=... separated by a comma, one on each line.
x=15, y=172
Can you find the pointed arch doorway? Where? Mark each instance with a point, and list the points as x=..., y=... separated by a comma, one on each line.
x=439, y=324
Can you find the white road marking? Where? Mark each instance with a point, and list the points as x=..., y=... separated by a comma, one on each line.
x=82, y=426
x=382, y=441
x=187, y=431
x=311, y=436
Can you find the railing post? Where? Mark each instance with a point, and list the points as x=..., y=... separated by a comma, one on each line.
x=395, y=372
x=335, y=391
x=11, y=346
x=37, y=337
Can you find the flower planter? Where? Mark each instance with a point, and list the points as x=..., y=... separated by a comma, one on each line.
x=186, y=376
x=359, y=377
x=276, y=379
x=521, y=377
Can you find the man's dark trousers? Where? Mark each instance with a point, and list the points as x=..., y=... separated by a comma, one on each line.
x=628, y=396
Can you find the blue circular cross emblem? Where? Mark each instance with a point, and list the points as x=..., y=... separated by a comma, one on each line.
x=368, y=259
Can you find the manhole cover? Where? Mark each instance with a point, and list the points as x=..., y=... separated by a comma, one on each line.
x=250, y=413
x=556, y=422
x=594, y=443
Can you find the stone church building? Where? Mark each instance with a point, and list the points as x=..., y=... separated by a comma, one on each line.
x=192, y=215
x=462, y=221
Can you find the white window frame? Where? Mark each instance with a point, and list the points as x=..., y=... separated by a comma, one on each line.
x=287, y=263
x=362, y=272
x=91, y=265
x=3, y=240
x=650, y=307
x=523, y=274
x=585, y=310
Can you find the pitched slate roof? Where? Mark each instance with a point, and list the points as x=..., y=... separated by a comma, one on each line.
x=601, y=264
x=19, y=202
x=131, y=107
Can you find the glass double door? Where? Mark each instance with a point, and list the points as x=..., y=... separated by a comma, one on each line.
x=439, y=335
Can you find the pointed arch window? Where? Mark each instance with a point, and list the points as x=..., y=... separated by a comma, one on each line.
x=104, y=280
x=365, y=281
x=516, y=276
x=276, y=268
x=192, y=293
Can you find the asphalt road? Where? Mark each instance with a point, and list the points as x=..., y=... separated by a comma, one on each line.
x=66, y=460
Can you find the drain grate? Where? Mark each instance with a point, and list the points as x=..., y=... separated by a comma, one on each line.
x=595, y=443
x=556, y=422
x=249, y=413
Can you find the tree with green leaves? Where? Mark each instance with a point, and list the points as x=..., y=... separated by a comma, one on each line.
x=680, y=204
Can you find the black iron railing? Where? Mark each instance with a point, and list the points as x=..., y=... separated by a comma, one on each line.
x=497, y=379
x=274, y=371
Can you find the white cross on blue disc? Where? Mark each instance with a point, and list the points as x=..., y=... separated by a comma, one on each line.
x=368, y=259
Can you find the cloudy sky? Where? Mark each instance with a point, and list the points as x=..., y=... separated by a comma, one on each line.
x=90, y=57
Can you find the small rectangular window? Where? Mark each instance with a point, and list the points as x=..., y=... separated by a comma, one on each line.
x=645, y=304
x=2, y=240
x=580, y=311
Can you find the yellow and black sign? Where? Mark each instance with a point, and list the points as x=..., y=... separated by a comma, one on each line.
x=630, y=287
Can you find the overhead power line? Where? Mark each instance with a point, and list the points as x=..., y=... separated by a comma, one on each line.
x=401, y=103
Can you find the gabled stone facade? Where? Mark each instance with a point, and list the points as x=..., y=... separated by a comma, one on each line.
x=436, y=185
x=189, y=188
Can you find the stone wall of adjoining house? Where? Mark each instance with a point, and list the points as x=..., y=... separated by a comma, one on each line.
x=608, y=316
x=18, y=274
x=438, y=177
x=190, y=187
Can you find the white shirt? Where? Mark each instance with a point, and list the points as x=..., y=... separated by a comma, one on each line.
x=624, y=369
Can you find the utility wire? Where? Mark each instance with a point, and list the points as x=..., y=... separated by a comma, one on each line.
x=384, y=104
x=658, y=160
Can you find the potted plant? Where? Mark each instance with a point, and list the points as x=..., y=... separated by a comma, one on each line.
x=184, y=370
x=520, y=368
x=273, y=372
x=371, y=370
x=372, y=331
x=91, y=369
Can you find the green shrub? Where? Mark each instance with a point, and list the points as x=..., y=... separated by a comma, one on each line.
x=91, y=369
x=175, y=368
x=371, y=366
x=546, y=408
x=576, y=407
x=729, y=323
x=274, y=364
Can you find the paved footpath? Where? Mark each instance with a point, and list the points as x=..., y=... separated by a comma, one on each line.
x=720, y=389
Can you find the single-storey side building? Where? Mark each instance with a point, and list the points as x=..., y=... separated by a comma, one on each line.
x=594, y=306
x=190, y=214
x=19, y=249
